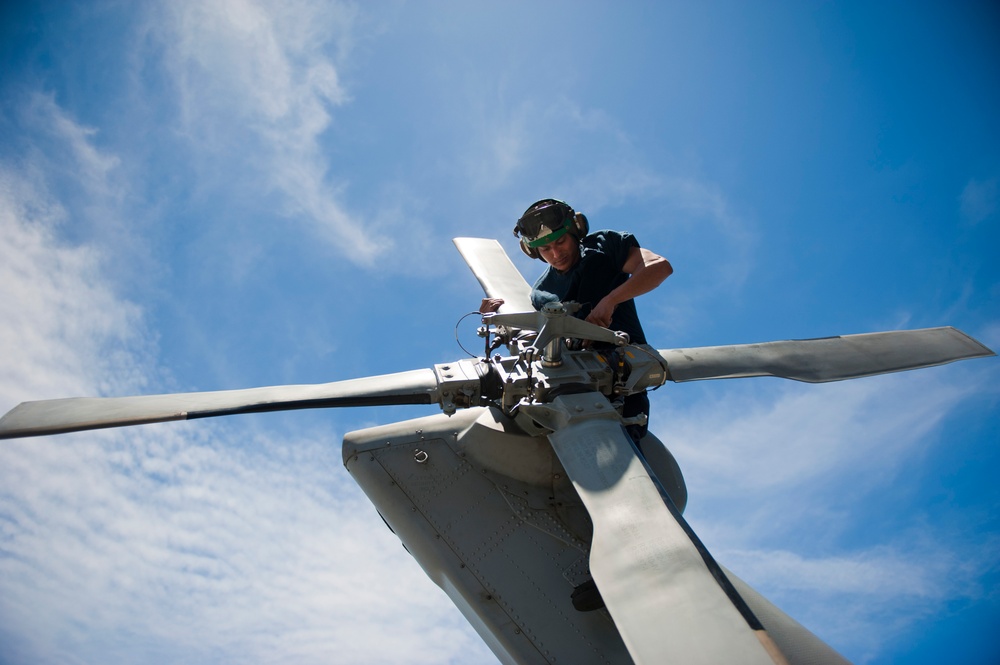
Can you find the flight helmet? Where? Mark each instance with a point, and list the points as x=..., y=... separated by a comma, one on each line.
x=546, y=221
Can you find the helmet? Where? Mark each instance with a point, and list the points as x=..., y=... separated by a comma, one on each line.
x=546, y=221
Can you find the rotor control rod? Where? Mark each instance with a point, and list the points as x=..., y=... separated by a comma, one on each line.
x=553, y=323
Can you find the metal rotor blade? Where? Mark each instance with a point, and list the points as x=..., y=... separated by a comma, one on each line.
x=669, y=599
x=496, y=273
x=827, y=358
x=81, y=413
x=791, y=637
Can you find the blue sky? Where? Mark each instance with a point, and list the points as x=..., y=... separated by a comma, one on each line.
x=215, y=195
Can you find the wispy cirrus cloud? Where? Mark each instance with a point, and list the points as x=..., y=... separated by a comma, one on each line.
x=61, y=318
x=526, y=142
x=261, y=81
x=173, y=543
x=165, y=540
x=785, y=434
x=866, y=599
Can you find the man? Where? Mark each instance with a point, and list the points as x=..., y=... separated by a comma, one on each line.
x=602, y=271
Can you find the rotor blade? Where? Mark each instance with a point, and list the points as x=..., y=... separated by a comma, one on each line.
x=827, y=358
x=669, y=599
x=496, y=273
x=789, y=635
x=81, y=413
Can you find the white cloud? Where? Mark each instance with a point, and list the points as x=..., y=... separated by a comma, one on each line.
x=527, y=140
x=582, y=154
x=870, y=598
x=183, y=542
x=166, y=540
x=870, y=574
x=61, y=321
x=784, y=434
x=259, y=80
x=94, y=169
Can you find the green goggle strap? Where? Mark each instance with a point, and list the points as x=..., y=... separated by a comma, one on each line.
x=545, y=240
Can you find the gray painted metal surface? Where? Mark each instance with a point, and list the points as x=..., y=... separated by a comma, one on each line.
x=826, y=359
x=666, y=602
x=495, y=273
x=796, y=642
x=491, y=517
x=81, y=413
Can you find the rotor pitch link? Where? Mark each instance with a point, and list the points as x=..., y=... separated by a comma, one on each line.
x=554, y=323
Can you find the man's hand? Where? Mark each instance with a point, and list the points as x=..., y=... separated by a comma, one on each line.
x=490, y=305
x=602, y=313
x=646, y=271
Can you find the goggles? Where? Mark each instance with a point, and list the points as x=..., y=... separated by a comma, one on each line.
x=543, y=225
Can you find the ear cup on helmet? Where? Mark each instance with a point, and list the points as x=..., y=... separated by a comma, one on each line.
x=530, y=251
x=581, y=227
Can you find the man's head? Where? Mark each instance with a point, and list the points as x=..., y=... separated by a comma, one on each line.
x=551, y=231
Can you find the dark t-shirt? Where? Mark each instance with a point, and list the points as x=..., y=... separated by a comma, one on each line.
x=595, y=275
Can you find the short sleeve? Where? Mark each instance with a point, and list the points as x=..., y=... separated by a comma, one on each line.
x=615, y=244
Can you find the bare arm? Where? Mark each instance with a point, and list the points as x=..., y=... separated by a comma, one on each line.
x=647, y=271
